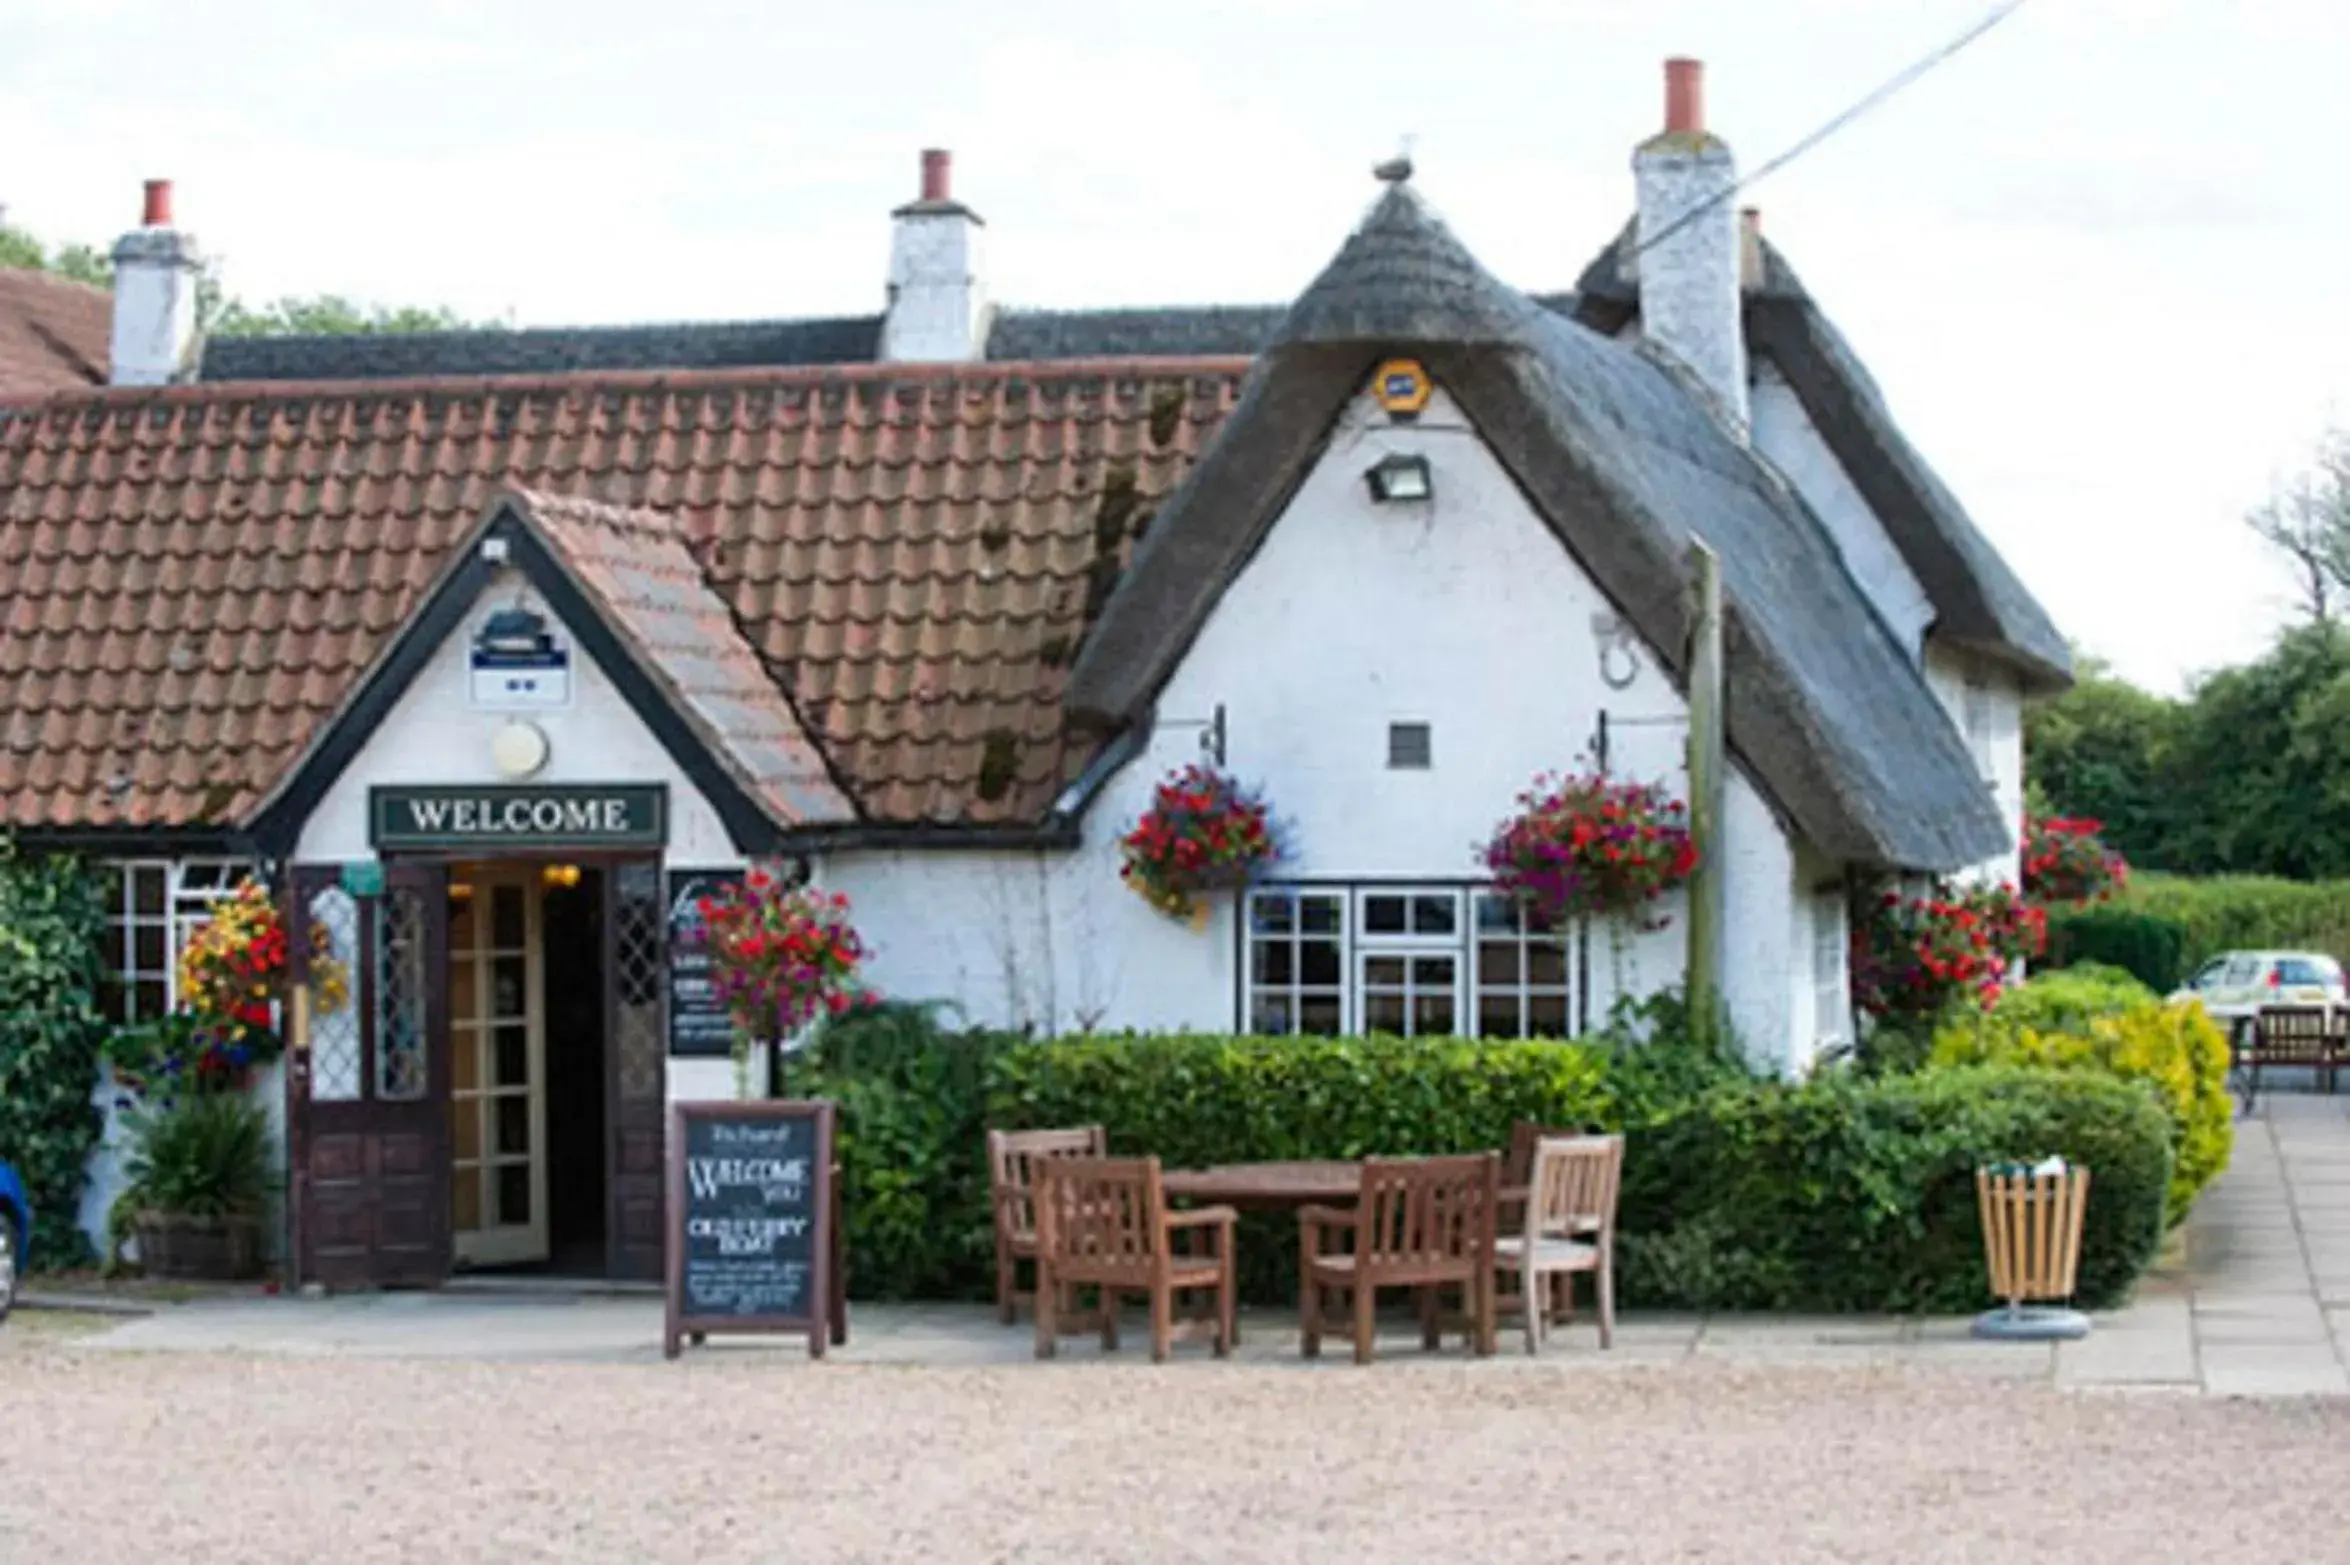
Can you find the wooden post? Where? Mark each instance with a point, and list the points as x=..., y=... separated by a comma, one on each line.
x=1705, y=786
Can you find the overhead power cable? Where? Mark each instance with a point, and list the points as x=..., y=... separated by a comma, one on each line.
x=1998, y=14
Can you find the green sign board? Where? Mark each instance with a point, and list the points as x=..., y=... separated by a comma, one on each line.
x=364, y=880
x=555, y=815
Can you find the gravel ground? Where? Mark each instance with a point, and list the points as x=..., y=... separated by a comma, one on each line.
x=751, y=1457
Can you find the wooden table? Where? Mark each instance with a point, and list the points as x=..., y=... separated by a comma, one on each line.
x=1267, y=1184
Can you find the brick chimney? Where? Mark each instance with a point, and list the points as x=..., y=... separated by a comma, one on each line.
x=155, y=271
x=938, y=308
x=1688, y=265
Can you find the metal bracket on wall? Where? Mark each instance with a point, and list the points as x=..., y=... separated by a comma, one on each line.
x=1211, y=737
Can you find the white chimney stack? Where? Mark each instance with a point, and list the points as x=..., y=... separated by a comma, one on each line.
x=155, y=269
x=937, y=287
x=1689, y=252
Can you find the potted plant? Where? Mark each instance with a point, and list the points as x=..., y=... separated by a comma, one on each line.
x=780, y=956
x=1588, y=845
x=184, y=1051
x=1915, y=957
x=199, y=1187
x=1203, y=832
x=2067, y=861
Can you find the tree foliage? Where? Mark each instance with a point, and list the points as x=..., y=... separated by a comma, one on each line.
x=2307, y=520
x=220, y=314
x=51, y=919
x=2249, y=774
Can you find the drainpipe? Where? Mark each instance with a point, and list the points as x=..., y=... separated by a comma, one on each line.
x=1705, y=787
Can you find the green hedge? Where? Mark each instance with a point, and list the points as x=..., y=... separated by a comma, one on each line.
x=2246, y=912
x=1853, y=1193
x=1197, y=1099
x=1840, y=1194
x=2149, y=947
x=51, y=922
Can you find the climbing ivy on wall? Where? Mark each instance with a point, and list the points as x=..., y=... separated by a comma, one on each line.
x=51, y=922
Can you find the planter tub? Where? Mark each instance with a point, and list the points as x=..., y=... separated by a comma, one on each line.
x=199, y=1249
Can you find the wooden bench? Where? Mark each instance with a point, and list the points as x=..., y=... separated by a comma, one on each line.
x=2315, y=1038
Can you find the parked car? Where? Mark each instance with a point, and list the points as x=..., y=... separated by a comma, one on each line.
x=2236, y=986
x=16, y=1234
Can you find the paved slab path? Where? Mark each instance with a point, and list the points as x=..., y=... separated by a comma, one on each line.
x=2255, y=1301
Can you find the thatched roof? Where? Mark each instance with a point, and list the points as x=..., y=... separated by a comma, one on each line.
x=1626, y=464
x=1979, y=604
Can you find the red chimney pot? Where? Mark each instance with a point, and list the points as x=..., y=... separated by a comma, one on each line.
x=1684, y=97
x=938, y=168
x=157, y=212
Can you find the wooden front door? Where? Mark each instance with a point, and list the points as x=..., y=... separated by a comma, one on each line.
x=367, y=1082
x=636, y=1067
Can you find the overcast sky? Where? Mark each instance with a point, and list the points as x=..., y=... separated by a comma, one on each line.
x=2099, y=262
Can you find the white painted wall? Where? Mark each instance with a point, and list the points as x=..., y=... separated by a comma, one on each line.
x=433, y=734
x=1785, y=434
x=1466, y=613
x=1949, y=672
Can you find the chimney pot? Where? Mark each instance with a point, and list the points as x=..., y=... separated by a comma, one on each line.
x=1684, y=97
x=938, y=171
x=1751, y=218
x=156, y=213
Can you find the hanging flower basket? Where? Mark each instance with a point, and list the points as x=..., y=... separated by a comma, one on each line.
x=234, y=965
x=2066, y=861
x=1202, y=833
x=780, y=957
x=1914, y=957
x=1586, y=845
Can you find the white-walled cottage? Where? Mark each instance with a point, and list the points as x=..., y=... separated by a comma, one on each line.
x=490, y=648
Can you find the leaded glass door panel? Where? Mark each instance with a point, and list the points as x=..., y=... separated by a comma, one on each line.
x=368, y=1078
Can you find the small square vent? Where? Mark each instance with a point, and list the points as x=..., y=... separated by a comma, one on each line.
x=1408, y=747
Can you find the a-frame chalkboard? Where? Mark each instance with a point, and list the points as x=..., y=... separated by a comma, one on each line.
x=751, y=1222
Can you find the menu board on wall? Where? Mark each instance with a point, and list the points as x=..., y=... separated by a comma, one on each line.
x=699, y=1023
x=750, y=1219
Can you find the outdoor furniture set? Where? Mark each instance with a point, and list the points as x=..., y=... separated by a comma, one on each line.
x=2315, y=1038
x=1464, y=1225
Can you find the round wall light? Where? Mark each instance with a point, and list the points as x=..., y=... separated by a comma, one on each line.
x=518, y=749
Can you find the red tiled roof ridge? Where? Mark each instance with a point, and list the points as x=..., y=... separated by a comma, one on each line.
x=987, y=370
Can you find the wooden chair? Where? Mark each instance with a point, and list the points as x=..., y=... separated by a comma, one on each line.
x=2309, y=1036
x=1421, y=1223
x=1569, y=1227
x=1103, y=1222
x=1517, y=1171
x=1012, y=1156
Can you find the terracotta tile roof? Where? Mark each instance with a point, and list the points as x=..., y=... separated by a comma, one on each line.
x=638, y=571
x=55, y=335
x=192, y=578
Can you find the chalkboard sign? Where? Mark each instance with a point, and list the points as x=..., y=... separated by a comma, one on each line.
x=751, y=1220
x=699, y=1023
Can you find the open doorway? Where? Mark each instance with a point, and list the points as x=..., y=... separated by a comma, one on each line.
x=527, y=1081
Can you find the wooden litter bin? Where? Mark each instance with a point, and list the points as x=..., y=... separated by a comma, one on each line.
x=2032, y=1242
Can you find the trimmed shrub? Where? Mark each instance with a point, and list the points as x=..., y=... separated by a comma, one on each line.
x=1201, y=1099
x=2246, y=912
x=1198, y=1099
x=911, y=1129
x=2174, y=1050
x=51, y=922
x=2149, y=947
x=1858, y=1193
x=2068, y=997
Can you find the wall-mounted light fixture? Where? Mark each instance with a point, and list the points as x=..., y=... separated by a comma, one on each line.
x=1396, y=476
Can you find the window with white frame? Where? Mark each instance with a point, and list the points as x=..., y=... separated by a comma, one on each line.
x=1831, y=961
x=154, y=905
x=1413, y=960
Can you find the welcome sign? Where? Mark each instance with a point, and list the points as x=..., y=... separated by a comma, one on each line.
x=753, y=1229
x=555, y=815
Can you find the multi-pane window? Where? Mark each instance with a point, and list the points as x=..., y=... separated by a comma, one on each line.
x=1831, y=954
x=1409, y=960
x=154, y=906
